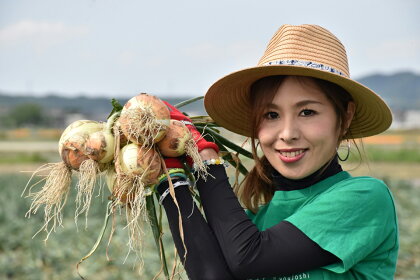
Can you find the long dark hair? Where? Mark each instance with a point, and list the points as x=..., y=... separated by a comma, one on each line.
x=257, y=187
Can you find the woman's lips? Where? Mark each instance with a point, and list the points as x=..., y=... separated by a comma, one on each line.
x=291, y=155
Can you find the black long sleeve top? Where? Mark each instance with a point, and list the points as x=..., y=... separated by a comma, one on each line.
x=227, y=245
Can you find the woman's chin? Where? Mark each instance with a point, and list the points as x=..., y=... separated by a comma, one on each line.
x=294, y=175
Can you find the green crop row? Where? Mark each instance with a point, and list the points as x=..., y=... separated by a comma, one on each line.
x=25, y=257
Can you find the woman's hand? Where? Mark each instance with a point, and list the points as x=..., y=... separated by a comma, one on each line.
x=207, y=150
x=198, y=138
x=208, y=153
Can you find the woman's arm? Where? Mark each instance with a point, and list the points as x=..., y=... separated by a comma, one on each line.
x=280, y=250
x=233, y=243
x=204, y=259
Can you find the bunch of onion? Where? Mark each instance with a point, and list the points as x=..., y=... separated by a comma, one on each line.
x=129, y=147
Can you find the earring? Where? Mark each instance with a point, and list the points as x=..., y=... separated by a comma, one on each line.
x=348, y=151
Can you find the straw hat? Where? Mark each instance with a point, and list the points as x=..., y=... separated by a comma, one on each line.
x=303, y=50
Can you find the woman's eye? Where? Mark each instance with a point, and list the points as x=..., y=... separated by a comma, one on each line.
x=307, y=112
x=271, y=115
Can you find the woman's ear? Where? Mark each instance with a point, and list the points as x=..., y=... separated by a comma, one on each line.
x=351, y=109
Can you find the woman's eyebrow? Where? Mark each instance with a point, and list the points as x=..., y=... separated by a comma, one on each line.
x=307, y=102
x=272, y=106
x=299, y=104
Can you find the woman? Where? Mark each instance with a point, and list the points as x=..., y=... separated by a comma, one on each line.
x=306, y=218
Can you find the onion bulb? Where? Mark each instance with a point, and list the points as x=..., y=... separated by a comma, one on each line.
x=71, y=145
x=144, y=119
x=143, y=162
x=100, y=148
x=77, y=155
x=179, y=141
x=54, y=193
x=100, y=145
x=137, y=167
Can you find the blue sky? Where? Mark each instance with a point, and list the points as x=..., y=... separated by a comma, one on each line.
x=119, y=48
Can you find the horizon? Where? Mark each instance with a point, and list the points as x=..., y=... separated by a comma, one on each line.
x=167, y=95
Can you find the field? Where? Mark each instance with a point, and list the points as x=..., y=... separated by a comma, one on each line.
x=394, y=157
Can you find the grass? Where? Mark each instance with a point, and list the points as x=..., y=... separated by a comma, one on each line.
x=22, y=157
x=377, y=153
x=407, y=198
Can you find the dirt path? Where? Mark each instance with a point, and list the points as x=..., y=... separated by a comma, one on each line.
x=17, y=146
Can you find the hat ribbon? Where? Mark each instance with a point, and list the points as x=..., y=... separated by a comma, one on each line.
x=309, y=64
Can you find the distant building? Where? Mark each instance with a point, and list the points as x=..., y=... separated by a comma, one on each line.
x=69, y=118
x=409, y=119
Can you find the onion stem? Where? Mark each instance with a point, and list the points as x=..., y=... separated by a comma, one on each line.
x=157, y=231
x=222, y=143
x=186, y=102
x=101, y=234
x=111, y=120
x=227, y=143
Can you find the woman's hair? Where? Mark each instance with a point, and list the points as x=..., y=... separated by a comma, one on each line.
x=257, y=187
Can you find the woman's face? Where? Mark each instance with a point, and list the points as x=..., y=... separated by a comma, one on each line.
x=299, y=130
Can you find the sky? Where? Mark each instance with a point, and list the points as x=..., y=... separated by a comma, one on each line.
x=118, y=48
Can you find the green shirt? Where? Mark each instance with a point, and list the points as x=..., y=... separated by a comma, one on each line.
x=354, y=218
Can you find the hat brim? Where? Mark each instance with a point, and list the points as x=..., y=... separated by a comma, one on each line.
x=227, y=100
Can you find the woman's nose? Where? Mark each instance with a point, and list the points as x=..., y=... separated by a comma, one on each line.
x=289, y=131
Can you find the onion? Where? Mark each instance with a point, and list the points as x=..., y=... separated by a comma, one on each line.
x=140, y=166
x=100, y=145
x=54, y=193
x=137, y=161
x=144, y=119
x=178, y=141
x=74, y=152
x=73, y=139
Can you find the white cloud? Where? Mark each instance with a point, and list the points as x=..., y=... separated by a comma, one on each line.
x=40, y=34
